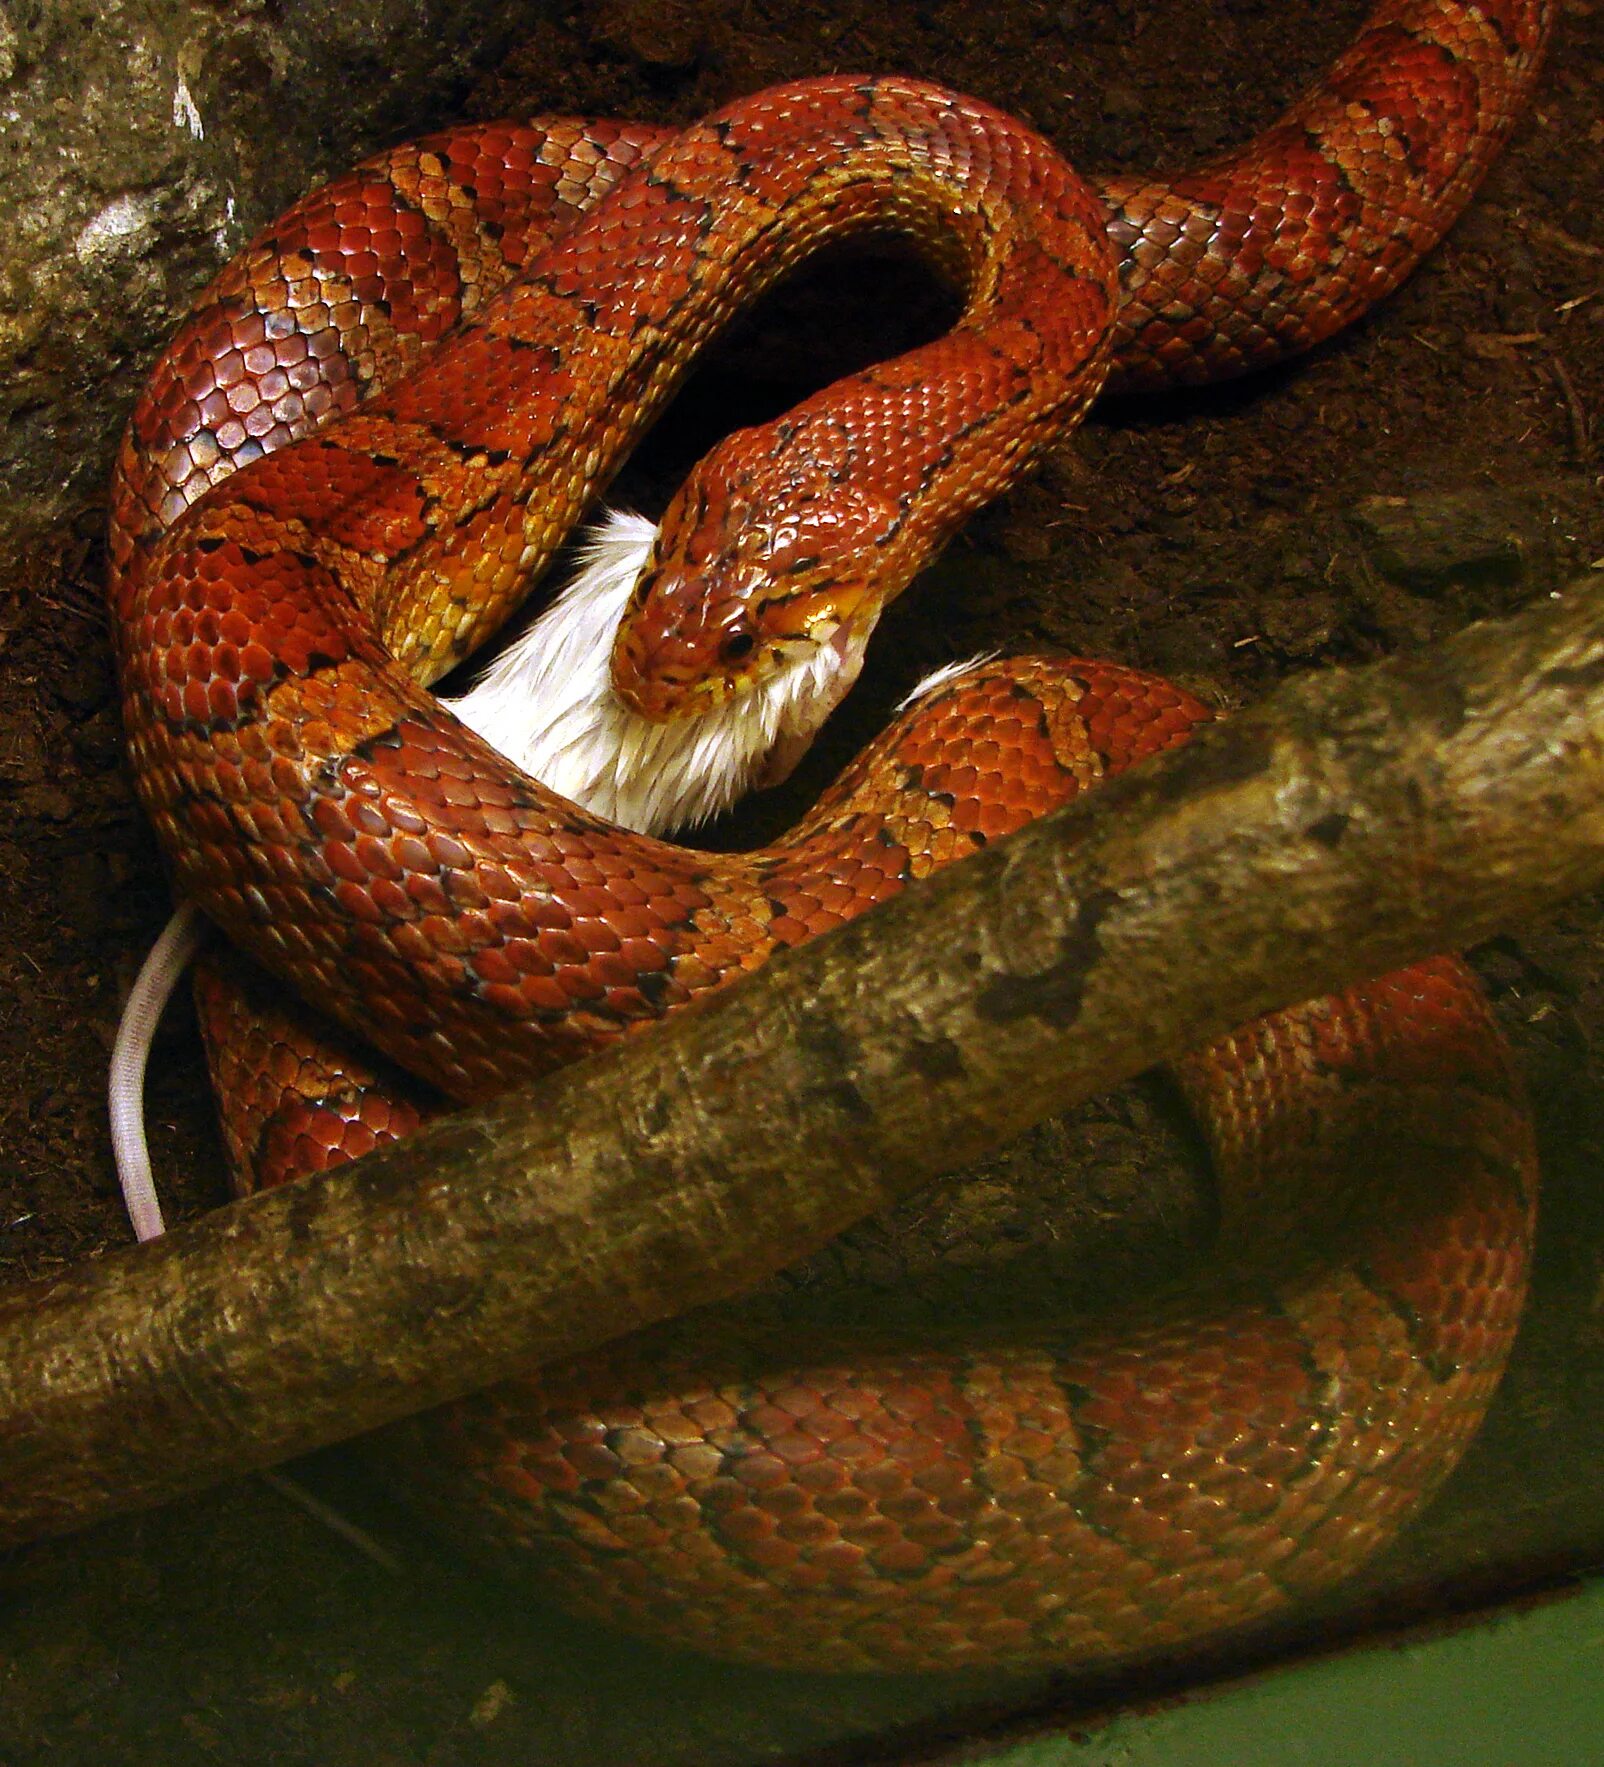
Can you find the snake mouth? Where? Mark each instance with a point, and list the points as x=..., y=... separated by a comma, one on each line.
x=827, y=664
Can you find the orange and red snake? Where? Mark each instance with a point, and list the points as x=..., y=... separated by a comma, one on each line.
x=430, y=367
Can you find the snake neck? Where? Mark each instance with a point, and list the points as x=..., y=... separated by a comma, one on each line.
x=578, y=357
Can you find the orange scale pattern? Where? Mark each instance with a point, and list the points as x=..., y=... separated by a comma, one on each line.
x=873, y=1506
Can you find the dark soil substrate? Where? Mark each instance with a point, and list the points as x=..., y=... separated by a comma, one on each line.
x=1434, y=466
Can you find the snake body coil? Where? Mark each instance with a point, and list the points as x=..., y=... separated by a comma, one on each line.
x=440, y=359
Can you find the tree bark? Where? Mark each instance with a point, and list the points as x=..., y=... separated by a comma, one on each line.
x=1353, y=822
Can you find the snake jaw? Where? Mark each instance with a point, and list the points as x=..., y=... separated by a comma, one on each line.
x=835, y=661
x=548, y=703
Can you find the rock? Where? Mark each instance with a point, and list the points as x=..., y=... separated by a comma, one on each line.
x=146, y=140
x=1301, y=624
x=1430, y=543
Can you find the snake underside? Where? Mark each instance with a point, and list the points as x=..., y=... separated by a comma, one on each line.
x=431, y=366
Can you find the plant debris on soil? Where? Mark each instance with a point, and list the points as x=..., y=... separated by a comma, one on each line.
x=1438, y=464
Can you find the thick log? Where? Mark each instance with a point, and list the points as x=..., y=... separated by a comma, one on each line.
x=1354, y=821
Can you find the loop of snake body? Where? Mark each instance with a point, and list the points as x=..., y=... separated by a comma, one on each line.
x=430, y=367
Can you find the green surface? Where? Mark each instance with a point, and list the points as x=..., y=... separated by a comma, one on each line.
x=1523, y=1690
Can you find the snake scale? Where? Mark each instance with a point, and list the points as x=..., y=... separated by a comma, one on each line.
x=431, y=366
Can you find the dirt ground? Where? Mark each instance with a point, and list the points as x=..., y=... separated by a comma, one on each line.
x=1436, y=465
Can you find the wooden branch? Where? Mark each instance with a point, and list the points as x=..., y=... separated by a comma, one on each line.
x=1354, y=821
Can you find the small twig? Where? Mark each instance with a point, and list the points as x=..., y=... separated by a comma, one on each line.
x=295, y=1492
x=66, y=605
x=1557, y=237
x=1581, y=430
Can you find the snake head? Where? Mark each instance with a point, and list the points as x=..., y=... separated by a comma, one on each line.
x=762, y=584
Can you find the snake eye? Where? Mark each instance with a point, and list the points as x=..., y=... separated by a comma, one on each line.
x=737, y=647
